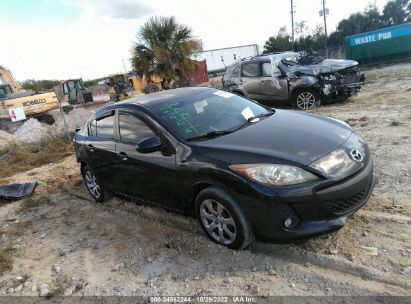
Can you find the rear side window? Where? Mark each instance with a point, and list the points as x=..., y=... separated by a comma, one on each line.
x=104, y=127
x=250, y=70
x=133, y=129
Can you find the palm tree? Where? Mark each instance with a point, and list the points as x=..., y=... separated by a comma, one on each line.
x=164, y=48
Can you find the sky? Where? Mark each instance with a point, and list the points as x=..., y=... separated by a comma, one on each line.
x=62, y=39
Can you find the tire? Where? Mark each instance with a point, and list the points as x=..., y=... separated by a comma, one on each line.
x=97, y=191
x=151, y=88
x=306, y=99
x=231, y=227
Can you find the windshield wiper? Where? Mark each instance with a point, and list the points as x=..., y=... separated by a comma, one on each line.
x=250, y=120
x=211, y=134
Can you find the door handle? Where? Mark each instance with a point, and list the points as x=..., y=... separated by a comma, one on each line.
x=90, y=147
x=123, y=155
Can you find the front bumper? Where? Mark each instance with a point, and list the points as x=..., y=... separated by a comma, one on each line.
x=317, y=208
x=342, y=90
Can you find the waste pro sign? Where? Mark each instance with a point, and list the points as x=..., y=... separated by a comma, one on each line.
x=382, y=34
x=17, y=114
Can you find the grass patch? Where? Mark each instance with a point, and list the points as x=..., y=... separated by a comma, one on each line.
x=6, y=261
x=26, y=157
x=32, y=202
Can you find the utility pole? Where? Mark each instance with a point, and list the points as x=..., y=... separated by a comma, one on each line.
x=292, y=22
x=124, y=66
x=324, y=12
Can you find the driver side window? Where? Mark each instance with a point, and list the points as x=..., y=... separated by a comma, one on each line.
x=133, y=129
x=266, y=69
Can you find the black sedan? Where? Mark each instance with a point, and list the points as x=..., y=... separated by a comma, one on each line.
x=243, y=169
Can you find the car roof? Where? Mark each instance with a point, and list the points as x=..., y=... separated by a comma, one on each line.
x=269, y=56
x=158, y=98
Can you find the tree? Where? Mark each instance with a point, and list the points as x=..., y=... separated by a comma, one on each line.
x=164, y=48
x=301, y=28
x=39, y=85
x=279, y=43
x=396, y=12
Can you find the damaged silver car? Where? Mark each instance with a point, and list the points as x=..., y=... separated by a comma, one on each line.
x=304, y=81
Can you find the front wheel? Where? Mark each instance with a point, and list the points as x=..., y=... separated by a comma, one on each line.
x=306, y=99
x=222, y=219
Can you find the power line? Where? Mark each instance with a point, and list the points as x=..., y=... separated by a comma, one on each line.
x=324, y=12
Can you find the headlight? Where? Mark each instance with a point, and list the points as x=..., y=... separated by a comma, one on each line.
x=336, y=164
x=274, y=175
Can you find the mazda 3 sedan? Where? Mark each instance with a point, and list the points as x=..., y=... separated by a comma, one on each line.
x=242, y=169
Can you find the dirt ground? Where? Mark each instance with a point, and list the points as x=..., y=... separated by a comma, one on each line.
x=66, y=245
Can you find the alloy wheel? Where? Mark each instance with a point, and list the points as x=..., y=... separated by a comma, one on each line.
x=305, y=100
x=92, y=184
x=218, y=222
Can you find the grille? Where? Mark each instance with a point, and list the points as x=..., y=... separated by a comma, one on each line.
x=344, y=206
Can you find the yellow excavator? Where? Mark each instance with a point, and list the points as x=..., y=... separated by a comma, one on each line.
x=11, y=96
x=32, y=103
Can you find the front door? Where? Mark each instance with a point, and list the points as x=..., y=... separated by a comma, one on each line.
x=273, y=86
x=147, y=176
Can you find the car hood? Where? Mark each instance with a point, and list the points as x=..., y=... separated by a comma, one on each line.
x=326, y=66
x=286, y=136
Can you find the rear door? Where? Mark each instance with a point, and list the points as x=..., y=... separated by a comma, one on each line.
x=249, y=81
x=147, y=176
x=273, y=86
x=101, y=152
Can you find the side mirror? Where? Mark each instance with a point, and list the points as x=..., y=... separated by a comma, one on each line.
x=148, y=145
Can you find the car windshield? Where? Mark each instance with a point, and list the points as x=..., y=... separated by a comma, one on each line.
x=210, y=113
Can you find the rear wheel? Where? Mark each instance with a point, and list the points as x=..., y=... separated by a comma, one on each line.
x=96, y=190
x=222, y=219
x=306, y=99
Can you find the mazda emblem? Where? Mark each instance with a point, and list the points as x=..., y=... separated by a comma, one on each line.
x=356, y=155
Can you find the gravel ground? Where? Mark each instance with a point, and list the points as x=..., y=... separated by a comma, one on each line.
x=72, y=246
